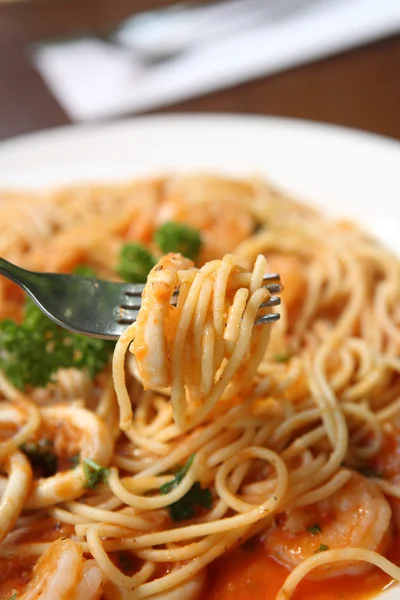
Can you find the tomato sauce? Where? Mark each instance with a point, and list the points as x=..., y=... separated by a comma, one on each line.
x=252, y=574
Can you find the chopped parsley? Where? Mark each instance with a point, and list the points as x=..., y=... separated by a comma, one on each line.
x=179, y=237
x=42, y=457
x=85, y=271
x=314, y=529
x=94, y=473
x=322, y=548
x=33, y=351
x=134, y=263
x=185, y=507
x=13, y=597
x=179, y=475
x=196, y=497
x=282, y=358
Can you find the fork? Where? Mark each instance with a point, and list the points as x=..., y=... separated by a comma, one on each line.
x=95, y=307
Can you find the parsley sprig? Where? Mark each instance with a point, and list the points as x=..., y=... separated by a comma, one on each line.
x=94, y=473
x=314, y=529
x=33, y=351
x=196, y=497
x=135, y=260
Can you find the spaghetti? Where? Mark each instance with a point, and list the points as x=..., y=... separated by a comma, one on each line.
x=213, y=431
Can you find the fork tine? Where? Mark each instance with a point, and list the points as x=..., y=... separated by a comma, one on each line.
x=270, y=318
x=133, y=289
x=125, y=316
x=273, y=301
x=269, y=277
x=274, y=288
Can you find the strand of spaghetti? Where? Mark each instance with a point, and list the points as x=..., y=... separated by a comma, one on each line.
x=317, y=494
x=220, y=285
x=16, y=492
x=387, y=413
x=200, y=316
x=178, y=553
x=297, y=478
x=113, y=574
x=370, y=431
x=290, y=425
x=105, y=531
x=64, y=516
x=27, y=408
x=107, y=516
x=391, y=489
x=344, y=373
x=146, y=442
x=228, y=450
x=124, y=401
x=149, y=403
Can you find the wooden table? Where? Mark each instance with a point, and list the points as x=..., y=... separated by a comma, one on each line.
x=359, y=88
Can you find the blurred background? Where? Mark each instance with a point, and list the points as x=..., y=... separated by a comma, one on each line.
x=65, y=61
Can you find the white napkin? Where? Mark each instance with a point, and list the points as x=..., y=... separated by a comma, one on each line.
x=93, y=79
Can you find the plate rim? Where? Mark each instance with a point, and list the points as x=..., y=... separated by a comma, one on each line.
x=319, y=127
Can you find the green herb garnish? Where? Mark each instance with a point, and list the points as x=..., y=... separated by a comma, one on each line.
x=314, y=529
x=322, y=548
x=179, y=475
x=135, y=262
x=33, y=351
x=41, y=456
x=85, y=271
x=90, y=354
x=13, y=597
x=178, y=237
x=282, y=358
x=94, y=473
x=196, y=497
x=185, y=507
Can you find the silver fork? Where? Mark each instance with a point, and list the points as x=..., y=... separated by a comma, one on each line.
x=95, y=307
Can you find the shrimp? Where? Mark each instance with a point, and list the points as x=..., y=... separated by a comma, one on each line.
x=73, y=429
x=355, y=516
x=219, y=208
x=63, y=573
x=161, y=283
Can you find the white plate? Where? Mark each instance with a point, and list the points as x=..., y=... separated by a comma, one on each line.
x=344, y=172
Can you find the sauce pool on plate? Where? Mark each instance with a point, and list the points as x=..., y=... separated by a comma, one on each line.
x=249, y=573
